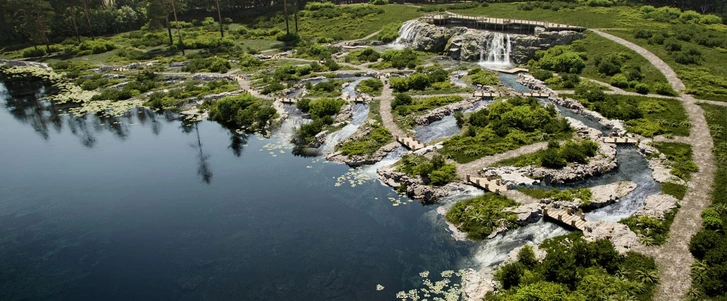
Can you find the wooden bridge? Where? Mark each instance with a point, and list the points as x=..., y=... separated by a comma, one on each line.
x=567, y=217
x=289, y=100
x=510, y=25
x=488, y=184
x=620, y=140
x=410, y=143
x=511, y=70
x=482, y=94
x=535, y=94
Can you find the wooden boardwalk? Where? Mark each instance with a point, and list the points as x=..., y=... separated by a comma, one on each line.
x=535, y=94
x=481, y=22
x=491, y=185
x=483, y=94
x=289, y=100
x=567, y=217
x=621, y=140
x=511, y=71
x=410, y=143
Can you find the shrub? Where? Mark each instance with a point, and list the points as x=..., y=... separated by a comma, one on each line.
x=642, y=88
x=619, y=80
x=643, y=34
x=33, y=52
x=480, y=216
x=389, y=33
x=241, y=111
x=542, y=74
x=663, y=88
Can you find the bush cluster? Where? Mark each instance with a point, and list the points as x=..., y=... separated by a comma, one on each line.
x=558, y=156
x=367, y=145
x=480, y=216
x=243, y=111
x=435, y=171
x=212, y=64
x=505, y=125
x=419, y=80
x=575, y=269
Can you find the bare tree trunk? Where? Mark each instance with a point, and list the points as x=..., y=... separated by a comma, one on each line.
x=166, y=19
x=88, y=19
x=179, y=33
x=219, y=17
x=285, y=12
x=297, y=8
x=75, y=25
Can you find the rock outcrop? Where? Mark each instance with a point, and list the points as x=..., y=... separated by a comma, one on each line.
x=415, y=187
x=657, y=205
x=468, y=44
x=622, y=237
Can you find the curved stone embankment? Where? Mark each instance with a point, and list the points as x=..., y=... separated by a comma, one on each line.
x=358, y=160
x=603, y=162
x=616, y=126
x=415, y=187
x=659, y=164
x=16, y=63
x=441, y=112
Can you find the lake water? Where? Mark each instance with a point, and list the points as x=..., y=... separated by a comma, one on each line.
x=144, y=208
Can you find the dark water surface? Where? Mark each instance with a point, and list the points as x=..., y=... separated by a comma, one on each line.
x=148, y=209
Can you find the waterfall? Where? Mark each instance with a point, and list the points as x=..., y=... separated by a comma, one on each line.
x=498, y=51
x=406, y=33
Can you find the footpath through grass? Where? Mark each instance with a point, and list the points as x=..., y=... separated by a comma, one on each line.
x=709, y=244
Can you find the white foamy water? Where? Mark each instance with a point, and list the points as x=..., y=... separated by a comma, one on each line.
x=498, y=50
x=494, y=251
x=406, y=34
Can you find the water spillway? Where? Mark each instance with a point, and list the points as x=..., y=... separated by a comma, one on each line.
x=498, y=50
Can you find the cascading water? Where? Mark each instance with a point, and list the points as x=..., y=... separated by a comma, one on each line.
x=359, y=111
x=406, y=33
x=498, y=50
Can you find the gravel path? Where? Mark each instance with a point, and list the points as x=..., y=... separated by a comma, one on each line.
x=474, y=167
x=673, y=258
x=387, y=95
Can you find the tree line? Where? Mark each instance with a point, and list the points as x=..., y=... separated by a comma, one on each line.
x=42, y=22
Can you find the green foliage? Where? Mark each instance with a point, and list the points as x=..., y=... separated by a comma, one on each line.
x=399, y=59
x=435, y=171
x=404, y=105
x=34, y=52
x=315, y=51
x=651, y=231
x=555, y=156
x=175, y=98
x=420, y=80
x=330, y=88
x=506, y=125
x=389, y=33
x=241, y=111
x=362, y=56
x=582, y=195
x=480, y=216
x=97, y=46
x=321, y=107
x=709, y=245
x=574, y=269
x=368, y=144
x=479, y=76
x=643, y=115
x=144, y=82
x=212, y=64
x=370, y=86
x=680, y=158
x=561, y=59
x=675, y=190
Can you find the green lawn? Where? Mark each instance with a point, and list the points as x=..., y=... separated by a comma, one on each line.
x=348, y=27
x=592, y=17
x=708, y=80
x=597, y=46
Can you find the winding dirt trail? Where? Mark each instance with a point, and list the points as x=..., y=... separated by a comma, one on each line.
x=673, y=258
x=474, y=167
x=387, y=95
